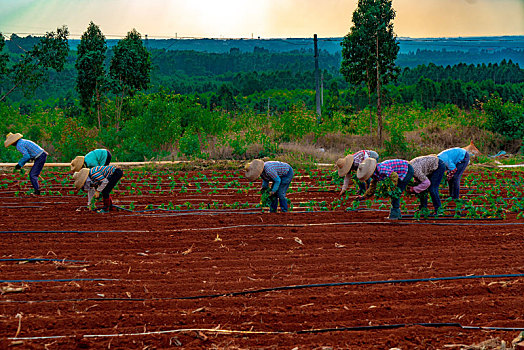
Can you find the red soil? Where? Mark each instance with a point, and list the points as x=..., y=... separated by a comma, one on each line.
x=158, y=257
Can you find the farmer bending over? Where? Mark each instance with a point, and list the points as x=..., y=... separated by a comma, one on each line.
x=428, y=173
x=279, y=173
x=456, y=160
x=98, y=179
x=97, y=157
x=398, y=170
x=30, y=151
x=351, y=162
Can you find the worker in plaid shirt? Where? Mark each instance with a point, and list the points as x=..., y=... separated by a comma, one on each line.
x=279, y=173
x=100, y=179
x=398, y=170
x=351, y=162
x=30, y=151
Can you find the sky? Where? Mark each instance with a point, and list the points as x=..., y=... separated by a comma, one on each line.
x=262, y=18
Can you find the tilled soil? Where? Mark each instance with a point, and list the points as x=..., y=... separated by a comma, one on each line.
x=217, y=279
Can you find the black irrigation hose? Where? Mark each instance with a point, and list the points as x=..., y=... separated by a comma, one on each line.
x=59, y=280
x=304, y=331
x=75, y=231
x=304, y=286
x=391, y=222
x=40, y=259
x=264, y=290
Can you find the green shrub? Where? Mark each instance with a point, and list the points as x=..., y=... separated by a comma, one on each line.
x=505, y=118
x=189, y=145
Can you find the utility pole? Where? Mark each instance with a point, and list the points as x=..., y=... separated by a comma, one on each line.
x=317, y=80
x=322, y=88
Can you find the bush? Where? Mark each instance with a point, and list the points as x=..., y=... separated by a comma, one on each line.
x=189, y=145
x=505, y=118
x=297, y=122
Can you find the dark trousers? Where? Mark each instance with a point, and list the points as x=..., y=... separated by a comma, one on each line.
x=395, y=202
x=285, y=181
x=454, y=183
x=36, y=170
x=108, y=158
x=113, y=180
x=435, y=178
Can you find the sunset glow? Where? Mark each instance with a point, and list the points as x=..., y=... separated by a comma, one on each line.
x=246, y=18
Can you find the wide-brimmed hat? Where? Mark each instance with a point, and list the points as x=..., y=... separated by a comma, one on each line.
x=344, y=165
x=366, y=169
x=77, y=163
x=80, y=177
x=472, y=150
x=12, y=138
x=254, y=169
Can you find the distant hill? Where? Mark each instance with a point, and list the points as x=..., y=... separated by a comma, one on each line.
x=332, y=45
x=413, y=52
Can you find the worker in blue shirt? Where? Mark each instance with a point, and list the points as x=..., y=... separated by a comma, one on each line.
x=30, y=151
x=279, y=173
x=456, y=160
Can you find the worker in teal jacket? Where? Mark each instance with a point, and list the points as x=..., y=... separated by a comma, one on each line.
x=97, y=157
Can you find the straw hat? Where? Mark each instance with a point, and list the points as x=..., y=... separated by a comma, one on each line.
x=366, y=169
x=12, y=138
x=472, y=150
x=344, y=165
x=254, y=169
x=77, y=163
x=80, y=177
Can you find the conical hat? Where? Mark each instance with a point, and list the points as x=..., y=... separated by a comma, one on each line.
x=12, y=138
x=80, y=177
x=254, y=169
x=77, y=163
x=344, y=165
x=366, y=169
x=472, y=150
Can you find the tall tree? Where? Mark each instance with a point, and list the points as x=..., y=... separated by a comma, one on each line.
x=49, y=53
x=3, y=57
x=370, y=49
x=90, y=80
x=130, y=68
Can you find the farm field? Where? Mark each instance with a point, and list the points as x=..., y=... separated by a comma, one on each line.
x=191, y=260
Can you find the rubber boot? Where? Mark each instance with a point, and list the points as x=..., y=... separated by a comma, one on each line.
x=107, y=205
x=394, y=214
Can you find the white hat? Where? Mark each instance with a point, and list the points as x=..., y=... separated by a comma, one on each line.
x=344, y=165
x=366, y=169
x=80, y=177
x=12, y=138
x=254, y=169
x=77, y=163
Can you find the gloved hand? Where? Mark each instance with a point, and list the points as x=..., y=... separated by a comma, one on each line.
x=360, y=198
x=96, y=195
x=342, y=192
x=19, y=168
x=410, y=190
x=451, y=174
x=273, y=194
